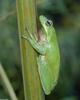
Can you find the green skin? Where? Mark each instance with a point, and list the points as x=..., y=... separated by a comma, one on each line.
x=49, y=56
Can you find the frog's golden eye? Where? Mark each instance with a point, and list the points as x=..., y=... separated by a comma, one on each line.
x=49, y=23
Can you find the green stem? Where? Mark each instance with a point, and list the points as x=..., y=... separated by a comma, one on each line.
x=27, y=18
x=7, y=84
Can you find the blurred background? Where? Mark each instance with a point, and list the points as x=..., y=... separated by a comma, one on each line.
x=65, y=15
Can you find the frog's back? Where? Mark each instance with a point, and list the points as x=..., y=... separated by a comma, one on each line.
x=48, y=66
x=53, y=60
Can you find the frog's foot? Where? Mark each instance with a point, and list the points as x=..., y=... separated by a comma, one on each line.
x=31, y=35
x=39, y=47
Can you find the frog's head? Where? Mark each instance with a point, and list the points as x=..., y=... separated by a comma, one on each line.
x=47, y=24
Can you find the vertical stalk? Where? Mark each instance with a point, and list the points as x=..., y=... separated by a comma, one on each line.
x=7, y=84
x=27, y=17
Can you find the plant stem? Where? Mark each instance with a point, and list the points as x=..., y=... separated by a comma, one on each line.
x=7, y=83
x=27, y=18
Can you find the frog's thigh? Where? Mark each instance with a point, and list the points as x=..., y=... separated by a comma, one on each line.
x=44, y=75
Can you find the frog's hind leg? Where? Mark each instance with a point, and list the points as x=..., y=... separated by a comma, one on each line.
x=45, y=76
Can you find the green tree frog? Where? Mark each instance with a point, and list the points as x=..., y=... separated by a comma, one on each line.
x=49, y=57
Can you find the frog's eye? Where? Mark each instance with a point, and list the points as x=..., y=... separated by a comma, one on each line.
x=49, y=23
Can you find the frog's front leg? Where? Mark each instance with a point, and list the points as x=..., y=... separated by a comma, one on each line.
x=39, y=47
